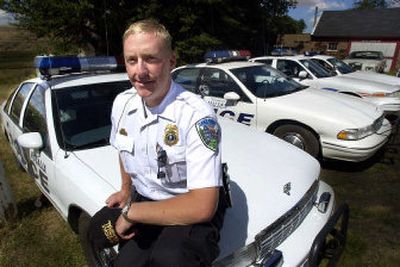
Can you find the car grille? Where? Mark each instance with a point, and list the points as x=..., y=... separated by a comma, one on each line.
x=378, y=123
x=272, y=236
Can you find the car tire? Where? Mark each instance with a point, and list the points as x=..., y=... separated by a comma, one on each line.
x=300, y=137
x=94, y=257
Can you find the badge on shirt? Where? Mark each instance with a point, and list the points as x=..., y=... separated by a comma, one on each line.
x=209, y=132
x=171, y=134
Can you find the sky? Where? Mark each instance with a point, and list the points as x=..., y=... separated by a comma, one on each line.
x=305, y=9
x=5, y=18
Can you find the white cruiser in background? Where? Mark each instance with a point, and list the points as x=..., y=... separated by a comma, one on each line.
x=308, y=72
x=58, y=127
x=342, y=68
x=323, y=123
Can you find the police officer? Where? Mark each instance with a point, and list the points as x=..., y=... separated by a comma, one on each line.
x=169, y=145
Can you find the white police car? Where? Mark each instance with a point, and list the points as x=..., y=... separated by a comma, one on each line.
x=342, y=68
x=308, y=72
x=322, y=123
x=58, y=127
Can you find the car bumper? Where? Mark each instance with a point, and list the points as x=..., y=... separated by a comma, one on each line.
x=358, y=150
x=305, y=245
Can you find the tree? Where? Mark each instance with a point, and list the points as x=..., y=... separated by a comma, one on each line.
x=196, y=25
x=371, y=4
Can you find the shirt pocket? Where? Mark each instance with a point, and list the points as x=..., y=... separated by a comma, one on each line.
x=126, y=148
x=175, y=167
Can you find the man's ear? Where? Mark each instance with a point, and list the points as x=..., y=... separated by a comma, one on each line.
x=172, y=61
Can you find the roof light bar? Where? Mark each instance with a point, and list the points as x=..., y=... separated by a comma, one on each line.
x=56, y=65
x=220, y=56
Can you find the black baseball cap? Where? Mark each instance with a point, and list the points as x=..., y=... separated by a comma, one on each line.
x=102, y=232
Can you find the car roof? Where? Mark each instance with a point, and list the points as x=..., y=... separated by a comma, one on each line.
x=224, y=65
x=322, y=56
x=296, y=57
x=62, y=81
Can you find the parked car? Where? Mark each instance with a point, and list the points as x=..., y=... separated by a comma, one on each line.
x=367, y=61
x=342, y=68
x=58, y=127
x=308, y=72
x=322, y=123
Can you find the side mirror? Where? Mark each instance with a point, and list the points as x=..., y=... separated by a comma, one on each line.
x=303, y=75
x=30, y=140
x=231, y=98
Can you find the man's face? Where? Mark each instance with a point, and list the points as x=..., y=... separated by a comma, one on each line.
x=149, y=64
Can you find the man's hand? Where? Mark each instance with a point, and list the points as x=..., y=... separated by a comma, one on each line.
x=124, y=229
x=118, y=199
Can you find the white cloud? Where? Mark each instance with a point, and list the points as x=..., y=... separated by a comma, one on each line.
x=322, y=4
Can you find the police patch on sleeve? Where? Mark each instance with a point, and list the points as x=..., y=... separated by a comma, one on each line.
x=209, y=132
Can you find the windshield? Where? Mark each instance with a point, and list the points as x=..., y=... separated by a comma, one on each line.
x=83, y=114
x=341, y=66
x=266, y=82
x=367, y=55
x=315, y=68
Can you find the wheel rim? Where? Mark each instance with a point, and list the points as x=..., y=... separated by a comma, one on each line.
x=294, y=139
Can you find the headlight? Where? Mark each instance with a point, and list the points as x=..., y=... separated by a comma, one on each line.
x=379, y=94
x=360, y=133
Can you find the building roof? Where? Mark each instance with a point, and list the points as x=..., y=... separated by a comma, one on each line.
x=371, y=23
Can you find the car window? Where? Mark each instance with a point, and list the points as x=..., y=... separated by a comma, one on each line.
x=35, y=116
x=216, y=83
x=289, y=67
x=341, y=66
x=315, y=68
x=187, y=77
x=322, y=63
x=264, y=82
x=367, y=55
x=82, y=113
x=19, y=100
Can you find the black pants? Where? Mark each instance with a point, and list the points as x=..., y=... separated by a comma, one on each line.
x=172, y=246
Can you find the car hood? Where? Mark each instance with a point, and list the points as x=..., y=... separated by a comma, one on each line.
x=346, y=83
x=260, y=167
x=327, y=109
x=104, y=162
x=374, y=76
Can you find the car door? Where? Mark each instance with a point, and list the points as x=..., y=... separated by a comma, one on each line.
x=40, y=162
x=14, y=110
x=214, y=84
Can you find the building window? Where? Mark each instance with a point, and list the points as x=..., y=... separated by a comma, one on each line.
x=332, y=46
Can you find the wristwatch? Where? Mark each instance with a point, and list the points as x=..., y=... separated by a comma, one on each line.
x=125, y=210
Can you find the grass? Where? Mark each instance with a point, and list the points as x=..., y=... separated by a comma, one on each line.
x=40, y=237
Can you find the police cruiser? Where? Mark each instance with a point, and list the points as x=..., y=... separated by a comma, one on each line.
x=308, y=72
x=324, y=124
x=58, y=126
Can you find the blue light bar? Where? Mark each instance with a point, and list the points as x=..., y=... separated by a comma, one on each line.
x=220, y=56
x=56, y=65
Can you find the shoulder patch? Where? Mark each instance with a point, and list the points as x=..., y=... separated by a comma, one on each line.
x=209, y=132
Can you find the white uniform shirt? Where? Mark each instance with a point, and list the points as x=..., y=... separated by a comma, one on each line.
x=184, y=126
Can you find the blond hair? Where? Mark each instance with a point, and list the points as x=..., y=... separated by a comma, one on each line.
x=149, y=26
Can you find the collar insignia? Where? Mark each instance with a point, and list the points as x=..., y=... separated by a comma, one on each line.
x=122, y=131
x=171, y=135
